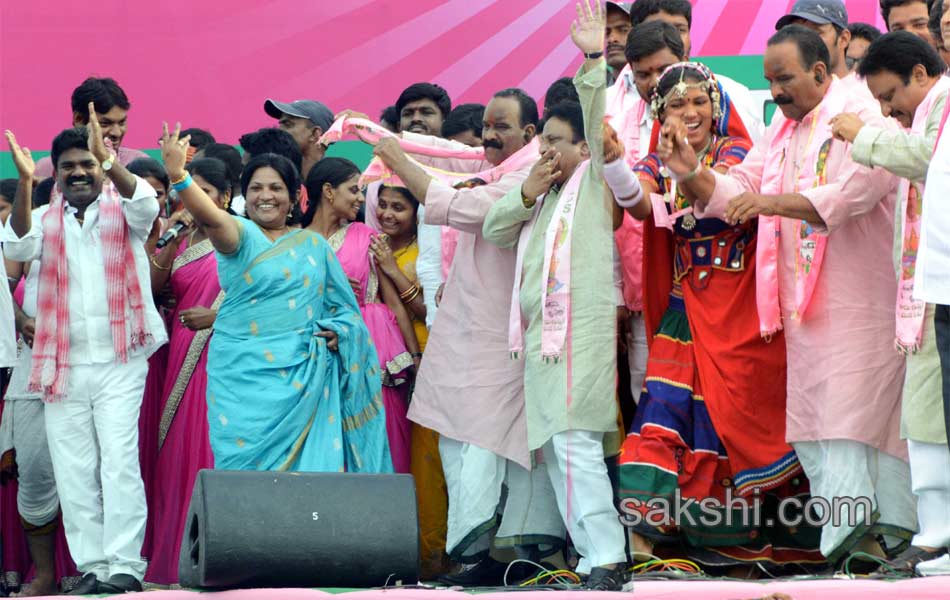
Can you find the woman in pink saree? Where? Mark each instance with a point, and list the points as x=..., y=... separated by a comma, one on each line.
x=188, y=264
x=335, y=199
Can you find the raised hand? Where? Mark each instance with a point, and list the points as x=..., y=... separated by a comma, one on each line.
x=351, y=114
x=97, y=145
x=542, y=175
x=587, y=30
x=174, y=151
x=22, y=157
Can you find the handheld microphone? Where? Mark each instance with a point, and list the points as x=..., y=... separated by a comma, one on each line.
x=171, y=234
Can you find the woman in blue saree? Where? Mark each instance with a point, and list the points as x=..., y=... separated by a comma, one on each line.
x=293, y=378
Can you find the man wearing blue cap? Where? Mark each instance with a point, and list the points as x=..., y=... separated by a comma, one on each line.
x=829, y=18
x=307, y=121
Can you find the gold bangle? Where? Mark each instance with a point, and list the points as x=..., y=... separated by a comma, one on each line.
x=177, y=181
x=415, y=291
x=158, y=266
x=408, y=292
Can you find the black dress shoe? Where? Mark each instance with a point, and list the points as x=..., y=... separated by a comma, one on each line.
x=120, y=583
x=88, y=585
x=607, y=580
x=485, y=573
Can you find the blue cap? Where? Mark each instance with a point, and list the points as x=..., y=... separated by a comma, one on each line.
x=817, y=11
x=316, y=112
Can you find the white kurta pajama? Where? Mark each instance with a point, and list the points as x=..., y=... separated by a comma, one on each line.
x=907, y=153
x=468, y=390
x=571, y=402
x=844, y=377
x=93, y=431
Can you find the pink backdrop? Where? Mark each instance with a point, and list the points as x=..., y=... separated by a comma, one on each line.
x=211, y=63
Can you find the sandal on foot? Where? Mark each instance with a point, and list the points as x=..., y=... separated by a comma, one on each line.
x=905, y=563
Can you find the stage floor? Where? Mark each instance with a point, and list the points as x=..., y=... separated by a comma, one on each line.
x=711, y=589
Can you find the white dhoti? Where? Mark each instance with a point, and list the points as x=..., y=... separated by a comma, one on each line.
x=842, y=470
x=475, y=478
x=37, y=500
x=94, y=444
x=575, y=464
x=930, y=474
x=24, y=429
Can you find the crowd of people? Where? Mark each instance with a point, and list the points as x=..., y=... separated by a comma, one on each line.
x=575, y=329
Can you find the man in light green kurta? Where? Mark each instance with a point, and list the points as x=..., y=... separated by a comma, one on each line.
x=906, y=76
x=570, y=401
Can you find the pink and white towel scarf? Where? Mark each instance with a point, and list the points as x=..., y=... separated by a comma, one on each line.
x=51, y=343
x=556, y=286
x=810, y=245
x=377, y=170
x=910, y=313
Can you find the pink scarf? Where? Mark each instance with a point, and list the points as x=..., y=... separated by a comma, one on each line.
x=371, y=133
x=51, y=344
x=910, y=312
x=556, y=287
x=810, y=245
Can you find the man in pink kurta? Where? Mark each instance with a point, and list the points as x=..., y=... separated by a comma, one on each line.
x=468, y=389
x=844, y=377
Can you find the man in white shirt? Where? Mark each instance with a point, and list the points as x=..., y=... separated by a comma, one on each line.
x=93, y=427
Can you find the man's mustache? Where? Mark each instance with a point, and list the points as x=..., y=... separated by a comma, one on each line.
x=491, y=144
x=782, y=100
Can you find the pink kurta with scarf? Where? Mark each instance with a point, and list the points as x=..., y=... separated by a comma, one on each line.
x=844, y=377
x=468, y=388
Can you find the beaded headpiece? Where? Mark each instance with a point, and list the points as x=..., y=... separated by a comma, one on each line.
x=707, y=84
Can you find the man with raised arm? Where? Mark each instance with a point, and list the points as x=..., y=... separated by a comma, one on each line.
x=560, y=221
x=95, y=329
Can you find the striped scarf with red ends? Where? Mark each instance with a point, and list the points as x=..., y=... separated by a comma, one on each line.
x=51, y=341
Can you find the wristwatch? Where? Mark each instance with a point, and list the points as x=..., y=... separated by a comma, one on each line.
x=108, y=163
x=593, y=55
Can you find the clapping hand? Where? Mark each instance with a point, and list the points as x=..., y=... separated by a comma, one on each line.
x=674, y=148
x=383, y=253
x=97, y=144
x=587, y=30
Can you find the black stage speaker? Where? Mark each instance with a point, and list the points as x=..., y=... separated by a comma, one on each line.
x=271, y=529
